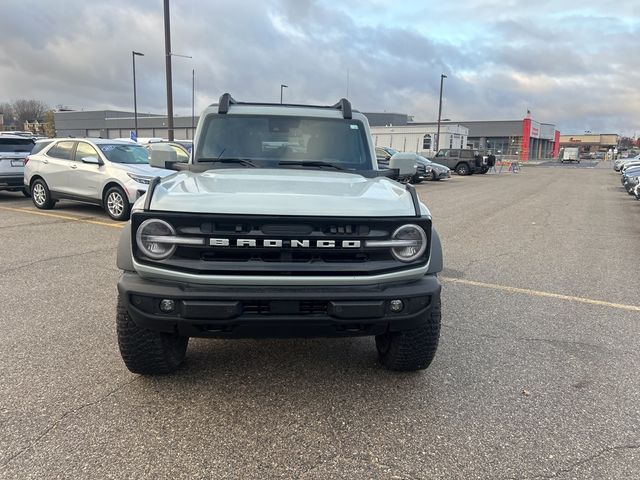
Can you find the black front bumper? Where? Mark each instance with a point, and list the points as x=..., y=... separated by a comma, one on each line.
x=249, y=312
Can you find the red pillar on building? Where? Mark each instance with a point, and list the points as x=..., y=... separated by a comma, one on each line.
x=556, y=144
x=526, y=139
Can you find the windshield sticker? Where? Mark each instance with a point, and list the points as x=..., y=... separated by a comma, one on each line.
x=107, y=148
x=354, y=127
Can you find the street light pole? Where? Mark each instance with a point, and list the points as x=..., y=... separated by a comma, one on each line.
x=167, y=55
x=282, y=86
x=193, y=100
x=135, y=99
x=442, y=77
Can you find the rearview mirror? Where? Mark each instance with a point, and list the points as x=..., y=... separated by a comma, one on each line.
x=163, y=156
x=92, y=160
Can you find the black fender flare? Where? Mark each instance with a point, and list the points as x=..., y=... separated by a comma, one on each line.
x=436, y=263
x=124, y=260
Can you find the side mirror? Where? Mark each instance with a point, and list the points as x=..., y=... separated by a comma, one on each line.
x=92, y=160
x=162, y=156
x=406, y=165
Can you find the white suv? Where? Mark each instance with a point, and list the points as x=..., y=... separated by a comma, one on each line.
x=109, y=173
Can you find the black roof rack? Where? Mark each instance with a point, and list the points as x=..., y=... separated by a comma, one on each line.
x=343, y=105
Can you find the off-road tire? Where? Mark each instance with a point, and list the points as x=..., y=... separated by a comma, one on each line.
x=121, y=211
x=147, y=352
x=463, y=169
x=40, y=195
x=411, y=349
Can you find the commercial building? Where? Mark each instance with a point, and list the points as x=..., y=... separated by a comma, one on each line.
x=119, y=124
x=590, y=142
x=420, y=138
x=524, y=139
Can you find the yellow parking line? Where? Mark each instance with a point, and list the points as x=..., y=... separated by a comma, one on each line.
x=64, y=217
x=538, y=293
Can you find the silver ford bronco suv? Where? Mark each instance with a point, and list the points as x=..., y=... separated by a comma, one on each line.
x=279, y=225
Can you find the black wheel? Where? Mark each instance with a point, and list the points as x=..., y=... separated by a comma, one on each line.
x=463, y=169
x=431, y=176
x=147, y=352
x=40, y=194
x=25, y=192
x=116, y=204
x=411, y=349
x=415, y=179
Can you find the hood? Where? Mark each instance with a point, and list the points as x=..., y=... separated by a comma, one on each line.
x=283, y=192
x=143, y=169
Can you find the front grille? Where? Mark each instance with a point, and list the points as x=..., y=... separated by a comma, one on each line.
x=290, y=258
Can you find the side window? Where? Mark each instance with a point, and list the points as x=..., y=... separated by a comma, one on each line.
x=466, y=153
x=443, y=153
x=61, y=150
x=85, y=150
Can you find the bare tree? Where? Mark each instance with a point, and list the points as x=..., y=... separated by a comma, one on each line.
x=28, y=110
x=7, y=113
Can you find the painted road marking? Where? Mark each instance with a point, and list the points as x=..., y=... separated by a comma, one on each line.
x=493, y=286
x=538, y=293
x=64, y=217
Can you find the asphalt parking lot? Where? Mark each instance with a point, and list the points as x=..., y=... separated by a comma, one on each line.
x=537, y=374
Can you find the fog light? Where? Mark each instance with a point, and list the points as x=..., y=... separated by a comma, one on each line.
x=167, y=306
x=396, y=306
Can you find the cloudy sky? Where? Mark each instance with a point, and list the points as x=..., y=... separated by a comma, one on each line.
x=573, y=63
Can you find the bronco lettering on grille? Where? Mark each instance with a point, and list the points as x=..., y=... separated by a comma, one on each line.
x=278, y=243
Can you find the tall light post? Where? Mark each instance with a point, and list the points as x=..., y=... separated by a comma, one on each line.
x=442, y=77
x=193, y=73
x=135, y=99
x=193, y=101
x=167, y=56
x=282, y=86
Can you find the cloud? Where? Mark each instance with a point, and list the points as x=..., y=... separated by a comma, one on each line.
x=571, y=64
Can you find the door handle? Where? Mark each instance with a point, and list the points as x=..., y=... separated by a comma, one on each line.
x=45, y=161
x=74, y=166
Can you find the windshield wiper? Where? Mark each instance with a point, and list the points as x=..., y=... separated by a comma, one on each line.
x=242, y=161
x=313, y=163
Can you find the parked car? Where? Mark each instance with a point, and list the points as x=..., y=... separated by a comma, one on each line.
x=621, y=162
x=628, y=165
x=109, y=173
x=435, y=171
x=629, y=179
x=13, y=151
x=462, y=161
x=253, y=241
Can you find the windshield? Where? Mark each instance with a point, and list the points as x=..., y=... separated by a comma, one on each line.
x=118, y=153
x=267, y=140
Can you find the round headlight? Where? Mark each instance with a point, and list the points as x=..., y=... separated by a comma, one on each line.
x=149, y=239
x=414, y=243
